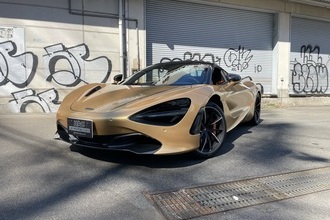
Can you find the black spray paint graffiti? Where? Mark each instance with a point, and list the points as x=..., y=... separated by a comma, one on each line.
x=65, y=67
x=19, y=69
x=237, y=59
x=310, y=76
x=74, y=58
x=47, y=100
x=6, y=33
x=195, y=56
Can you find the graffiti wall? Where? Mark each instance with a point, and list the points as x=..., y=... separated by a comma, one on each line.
x=310, y=71
x=63, y=66
x=237, y=59
x=240, y=60
x=309, y=57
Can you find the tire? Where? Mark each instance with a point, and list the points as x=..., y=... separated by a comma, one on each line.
x=212, y=132
x=257, y=110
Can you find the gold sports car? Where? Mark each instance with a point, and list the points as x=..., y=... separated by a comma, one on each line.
x=167, y=108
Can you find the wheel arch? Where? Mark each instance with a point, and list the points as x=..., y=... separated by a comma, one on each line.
x=216, y=99
x=212, y=128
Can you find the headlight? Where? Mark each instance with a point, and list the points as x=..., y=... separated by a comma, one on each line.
x=165, y=114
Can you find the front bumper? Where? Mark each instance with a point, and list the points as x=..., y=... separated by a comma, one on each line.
x=134, y=142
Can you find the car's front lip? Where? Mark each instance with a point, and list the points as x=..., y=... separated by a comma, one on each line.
x=134, y=142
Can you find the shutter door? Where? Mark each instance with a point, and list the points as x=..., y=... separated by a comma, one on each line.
x=238, y=40
x=309, y=58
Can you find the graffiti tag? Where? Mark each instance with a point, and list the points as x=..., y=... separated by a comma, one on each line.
x=19, y=69
x=47, y=100
x=208, y=57
x=238, y=59
x=311, y=75
x=65, y=65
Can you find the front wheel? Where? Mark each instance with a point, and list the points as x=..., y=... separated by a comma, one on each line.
x=212, y=132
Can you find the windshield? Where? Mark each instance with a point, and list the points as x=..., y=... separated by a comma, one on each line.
x=172, y=74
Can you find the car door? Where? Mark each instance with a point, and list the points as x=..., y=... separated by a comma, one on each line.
x=237, y=101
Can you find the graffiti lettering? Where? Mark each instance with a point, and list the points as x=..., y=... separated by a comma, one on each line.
x=166, y=59
x=257, y=68
x=47, y=100
x=6, y=33
x=65, y=65
x=19, y=69
x=238, y=59
x=310, y=76
x=208, y=57
x=306, y=52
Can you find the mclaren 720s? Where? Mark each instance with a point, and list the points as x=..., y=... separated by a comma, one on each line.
x=167, y=108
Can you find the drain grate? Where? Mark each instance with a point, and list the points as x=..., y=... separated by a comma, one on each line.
x=198, y=201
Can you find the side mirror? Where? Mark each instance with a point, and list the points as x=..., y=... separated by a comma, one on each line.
x=117, y=78
x=234, y=77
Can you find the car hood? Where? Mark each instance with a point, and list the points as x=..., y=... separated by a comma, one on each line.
x=106, y=97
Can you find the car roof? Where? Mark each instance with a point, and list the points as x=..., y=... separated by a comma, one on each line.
x=183, y=62
x=169, y=65
x=173, y=64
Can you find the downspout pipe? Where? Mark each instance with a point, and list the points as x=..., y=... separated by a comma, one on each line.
x=114, y=16
x=122, y=38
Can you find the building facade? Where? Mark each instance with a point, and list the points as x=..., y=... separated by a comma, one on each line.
x=48, y=48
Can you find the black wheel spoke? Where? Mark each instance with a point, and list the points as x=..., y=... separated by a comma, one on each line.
x=257, y=110
x=204, y=116
x=203, y=141
x=209, y=141
x=215, y=137
x=258, y=114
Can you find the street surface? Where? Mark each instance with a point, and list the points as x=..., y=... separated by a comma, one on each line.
x=42, y=178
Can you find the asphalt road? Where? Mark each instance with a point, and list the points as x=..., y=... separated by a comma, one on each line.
x=46, y=179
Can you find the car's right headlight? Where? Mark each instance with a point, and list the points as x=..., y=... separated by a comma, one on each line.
x=163, y=114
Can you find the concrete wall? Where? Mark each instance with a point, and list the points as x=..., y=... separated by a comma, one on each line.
x=295, y=7
x=48, y=48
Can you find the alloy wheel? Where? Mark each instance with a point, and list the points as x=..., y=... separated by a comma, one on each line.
x=213, y=130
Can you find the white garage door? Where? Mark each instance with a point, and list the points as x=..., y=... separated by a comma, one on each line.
x=238, y=40
x=310, y=57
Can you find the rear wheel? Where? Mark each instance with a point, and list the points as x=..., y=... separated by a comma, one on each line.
x=257, y=110
x=212, y=131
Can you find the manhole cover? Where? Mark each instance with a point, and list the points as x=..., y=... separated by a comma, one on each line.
x=198, y=201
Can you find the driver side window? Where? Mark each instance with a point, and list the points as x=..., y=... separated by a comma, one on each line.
x=218, y=77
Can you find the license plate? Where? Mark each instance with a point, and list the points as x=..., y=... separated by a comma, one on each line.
x=80, y=127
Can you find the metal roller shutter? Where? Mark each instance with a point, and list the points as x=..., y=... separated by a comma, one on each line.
x=238, y=40
x=309, y=58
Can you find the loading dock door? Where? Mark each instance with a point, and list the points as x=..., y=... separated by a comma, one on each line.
x=238, y=40
x=309, y=58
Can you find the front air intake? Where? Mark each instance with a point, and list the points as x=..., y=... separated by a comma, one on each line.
x=93, y=90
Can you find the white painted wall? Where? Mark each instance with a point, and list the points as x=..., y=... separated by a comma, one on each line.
x=282, y=49
x=57, y=51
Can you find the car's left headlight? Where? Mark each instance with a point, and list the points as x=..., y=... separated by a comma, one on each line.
x=164, y=114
